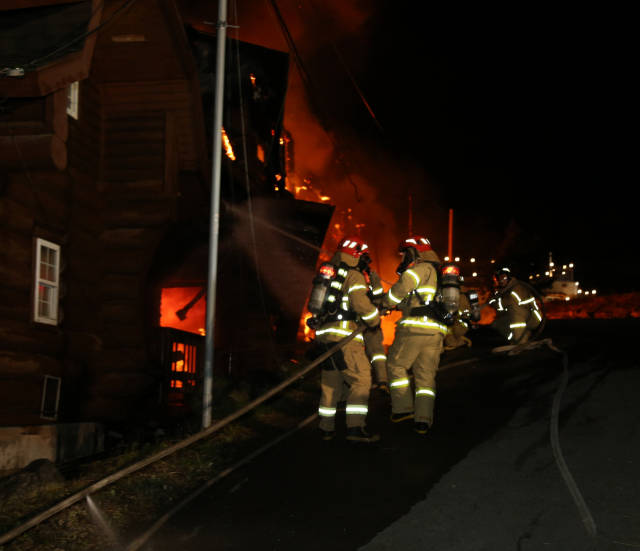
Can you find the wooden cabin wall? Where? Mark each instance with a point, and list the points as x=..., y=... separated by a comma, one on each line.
x=86, y=134
x=32, y=204
x=138, y=201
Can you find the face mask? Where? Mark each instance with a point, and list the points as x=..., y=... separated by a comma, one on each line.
x=407, y=258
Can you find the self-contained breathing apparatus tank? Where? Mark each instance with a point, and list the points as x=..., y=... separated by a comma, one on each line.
x=326, y=293
x=450, y=288
x=474, y=310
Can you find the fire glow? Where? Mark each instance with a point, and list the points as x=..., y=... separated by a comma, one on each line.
x=174, y=299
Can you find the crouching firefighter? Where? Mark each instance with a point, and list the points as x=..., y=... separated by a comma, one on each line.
x=338, y=302
x=419, y=332
x=468, y=314
x=519, y=317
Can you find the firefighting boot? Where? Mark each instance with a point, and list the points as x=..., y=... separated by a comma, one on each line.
x=421, y=428
x=360, y=434
x=399, y=417
x=327, y=435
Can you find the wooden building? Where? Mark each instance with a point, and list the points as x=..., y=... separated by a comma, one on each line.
x=104, y=202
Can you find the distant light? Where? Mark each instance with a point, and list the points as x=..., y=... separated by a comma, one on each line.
x=474, y=274
x=537, y=275
x=493, y=261
x=457, y=259
x=564, y=268
x=531, y=276
x=324, y=198
x=567, y=298
x=586, y=292
x=579, y=291
x=563, y=273
x=577, y=283
x=472, y=260
x=446, y=259
x=571, y=265
x=551, y=264
x=546, y=273
x=593, y=292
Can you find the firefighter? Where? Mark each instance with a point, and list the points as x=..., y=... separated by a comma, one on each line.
x=347, y=373
x=518, y=315
x=456, y=336
x=373, y=338
x=419, y=333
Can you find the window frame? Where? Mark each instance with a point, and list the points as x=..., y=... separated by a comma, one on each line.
x=53, y=318
x=73, y=99
x=58, y=380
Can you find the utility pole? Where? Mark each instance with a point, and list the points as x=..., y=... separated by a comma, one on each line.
x=214, y=226
x=450, y=249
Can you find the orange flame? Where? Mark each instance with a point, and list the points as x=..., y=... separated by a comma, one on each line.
x=226, y=143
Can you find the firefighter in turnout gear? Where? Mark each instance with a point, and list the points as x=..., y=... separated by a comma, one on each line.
x=518, y=315
x=418, y=337
x=373, y=338
x=347, y=373
x=468, y=313
x=456, y=336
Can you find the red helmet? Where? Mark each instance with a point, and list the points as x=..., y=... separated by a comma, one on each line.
x=353, y=246
x=418, y=242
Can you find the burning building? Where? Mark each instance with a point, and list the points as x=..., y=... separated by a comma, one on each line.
x=105, y=171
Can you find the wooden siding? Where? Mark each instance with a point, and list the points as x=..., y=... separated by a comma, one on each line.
x=86, y=133
x=142, y=99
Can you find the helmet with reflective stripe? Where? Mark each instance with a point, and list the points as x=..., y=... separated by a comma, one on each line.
x=502, y=276
x=353, y=246
x=418, y=242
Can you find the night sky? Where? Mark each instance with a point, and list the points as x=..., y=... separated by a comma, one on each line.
x=519, y=120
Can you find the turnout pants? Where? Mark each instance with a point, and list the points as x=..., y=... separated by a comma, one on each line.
x=421, y=354
x=349, y=380
x=376, y=353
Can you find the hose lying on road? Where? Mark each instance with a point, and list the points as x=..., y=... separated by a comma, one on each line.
x=71, y=500
x=515, y=349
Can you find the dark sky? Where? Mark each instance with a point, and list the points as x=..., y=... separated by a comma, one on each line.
x=522, y=122
x=517, y=118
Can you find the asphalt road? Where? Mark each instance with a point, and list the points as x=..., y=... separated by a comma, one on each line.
x=484, y=478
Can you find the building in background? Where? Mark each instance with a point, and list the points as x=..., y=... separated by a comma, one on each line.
x=105, y=169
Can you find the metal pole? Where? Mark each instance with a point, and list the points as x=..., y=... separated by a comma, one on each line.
x=450, y=235
x=221, y=29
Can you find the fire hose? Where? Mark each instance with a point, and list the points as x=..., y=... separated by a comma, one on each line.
x=86, y=492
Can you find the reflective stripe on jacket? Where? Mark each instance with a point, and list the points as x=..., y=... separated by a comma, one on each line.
x=420, y=279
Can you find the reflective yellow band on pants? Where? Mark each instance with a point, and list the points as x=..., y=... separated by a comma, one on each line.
x=423, y=321
x=326, y=412
x=399, y=383
x=356, y=409
x=425, y=392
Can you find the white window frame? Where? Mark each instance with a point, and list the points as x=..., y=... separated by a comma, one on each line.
x=51, y=318
x=73, y=94
x=44, y=395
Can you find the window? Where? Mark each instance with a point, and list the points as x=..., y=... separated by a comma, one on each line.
x=72, y=99
x=50, y=397
x=47, y=276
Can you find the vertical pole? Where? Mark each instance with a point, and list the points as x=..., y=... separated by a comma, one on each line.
x=214, y=226
x=450, y=250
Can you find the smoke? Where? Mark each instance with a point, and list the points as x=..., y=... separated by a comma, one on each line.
x=368, y=184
